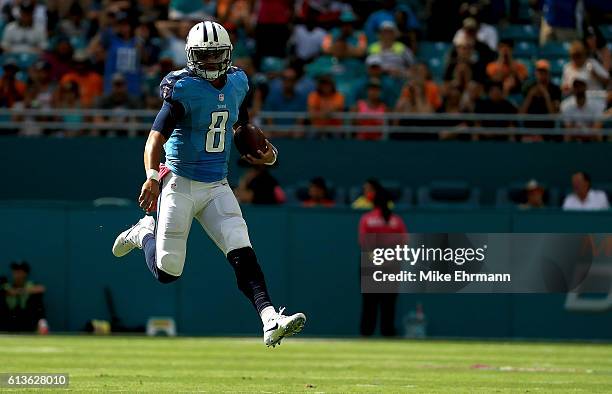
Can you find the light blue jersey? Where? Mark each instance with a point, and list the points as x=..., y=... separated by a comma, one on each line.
x=199, y=146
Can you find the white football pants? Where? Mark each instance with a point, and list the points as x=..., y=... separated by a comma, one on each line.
x=212, y=204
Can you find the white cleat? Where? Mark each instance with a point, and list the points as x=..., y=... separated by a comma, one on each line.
x=132, y=237
x=282, y=326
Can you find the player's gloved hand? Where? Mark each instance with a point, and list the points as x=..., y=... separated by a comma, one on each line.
x=264, y=158
x=148, y=194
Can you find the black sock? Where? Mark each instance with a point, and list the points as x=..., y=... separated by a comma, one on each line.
x=249, y=277
x=148, y=246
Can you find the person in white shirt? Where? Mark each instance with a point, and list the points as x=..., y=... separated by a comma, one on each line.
x=307, y=39
x=483, y=32
x=581, y=112
x=23, y=35
x=584, y=198
x=597, y=77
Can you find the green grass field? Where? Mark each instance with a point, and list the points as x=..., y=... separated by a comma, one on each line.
x=310, y=365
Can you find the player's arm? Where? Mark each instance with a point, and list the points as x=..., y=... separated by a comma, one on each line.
x=267, y=158
x=164, y=124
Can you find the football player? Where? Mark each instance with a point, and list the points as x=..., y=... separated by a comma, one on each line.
x=202, y=103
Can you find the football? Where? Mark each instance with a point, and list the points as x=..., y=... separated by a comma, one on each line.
x=249, y=139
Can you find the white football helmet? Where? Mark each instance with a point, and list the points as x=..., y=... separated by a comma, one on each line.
x=209, y=50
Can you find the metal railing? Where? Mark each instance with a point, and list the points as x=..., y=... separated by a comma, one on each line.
x=139, y=121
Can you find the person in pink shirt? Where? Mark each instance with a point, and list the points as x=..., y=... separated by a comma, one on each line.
x=372, y=105
x=380, y=220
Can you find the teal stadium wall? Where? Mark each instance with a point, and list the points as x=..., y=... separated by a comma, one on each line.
x=87, y=168
x=309, y=256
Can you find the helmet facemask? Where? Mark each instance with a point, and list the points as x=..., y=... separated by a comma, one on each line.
x=209, y=63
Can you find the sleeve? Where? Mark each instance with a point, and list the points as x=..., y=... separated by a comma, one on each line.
x=167, y=118
x=599, y=69
x=243, y=114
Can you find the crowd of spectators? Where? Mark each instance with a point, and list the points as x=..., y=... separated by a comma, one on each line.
x=318, y=57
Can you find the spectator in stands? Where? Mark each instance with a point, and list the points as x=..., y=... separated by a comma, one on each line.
x=584, y=198
x=23, y=300
x=381, y=220
x=122, y=54
x=428, y=92
x=580, y=112
x=471, y=95
x=597, y=48
x=345, y=42
x=12, y=90
x=307, y=40
x=402, y=15
x=495, y=104
x=451, y=105
x=244, y=46
x=481, y=32
x=174, y=34
x=118, y=99
x=396, y=56
x=90, y=83
x=374, y=106
x=535, y=195
x=505, y=69
x=11, y=10
x=60, y=58
x=192, y=10
x=287, y=98
x=67, y=96
x=415, y=98
x=597, y=77
x=23, y=35
x=272, y=28
x=323, y=102
x=366, y=199
x=237, y=12
x=542, y=96
x=148, y=44
x=258, y=186
x=318, y=194
x=389, y=86
x=558, y=21
x=39, y=92
x=466, y=63
x=75, y=26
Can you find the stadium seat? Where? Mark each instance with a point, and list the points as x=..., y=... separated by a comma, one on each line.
x=555, y=50
x=514, y=194
x=431, y=49
x=436, y=67
x=606, y=30
x=271, y=64
x=299, y=192
x=519, y=33
x=556, y=67
x=525, y=49
x=448, y=194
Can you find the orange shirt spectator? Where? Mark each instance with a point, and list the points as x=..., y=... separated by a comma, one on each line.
x=12, y=90
x=499, y=71
x=507, y=70
x=431, y=92
x=323, y=102
x=90, y=83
